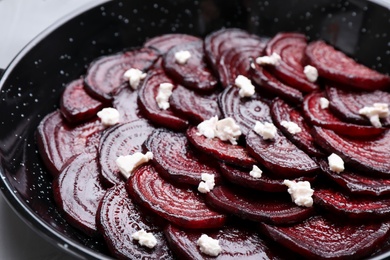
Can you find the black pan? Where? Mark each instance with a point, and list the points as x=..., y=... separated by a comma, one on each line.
x=33, y=82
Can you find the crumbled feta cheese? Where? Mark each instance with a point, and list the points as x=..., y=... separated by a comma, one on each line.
x=207, y=127
x=225, y=129
x=134, y=76
x=273, y=60
x=209, y=246
x=245, y=85
x=324, y=102
x=292, y=127
x=255, y=172
x=182, y=57
x=128, y=163
x=311, y=73
x=374, y=113
x=207, y=183
x=164, y=92
x=266, y=130
x=301, y=192
x=335, y=162
x=109, y=116
x=145, y=238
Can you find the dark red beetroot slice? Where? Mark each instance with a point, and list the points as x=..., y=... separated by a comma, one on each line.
x=265, y=183
x=105, y=74
x=325, y=118
x=76, y=104
x=236, y=243
x=338, y=67
x=346, y=104
x=148, y=104
x=245, y=111
x=318, y=237
x=280, y=156
x=121, y=140
x=276, y=208
x=175, y=160
x=164, y=42
x=196, y=108
x=356, y=182
x=221, y=150
x=291, y=48
x=78, y=191
x=280, y=111
x=180, y=206
x=118, y=218
x=368, y=155
x=57, y=141
x=125, y=101
x=194, y=74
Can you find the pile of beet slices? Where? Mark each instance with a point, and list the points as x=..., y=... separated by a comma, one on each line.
x=253, y=218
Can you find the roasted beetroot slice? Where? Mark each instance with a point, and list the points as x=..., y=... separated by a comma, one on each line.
x=221, y=150
x=291, y=48
x=356, y=182
x=236, y=242
x=105, y=74
x=369, y=155
x=78, y=191
x=281, y=111
x=275, y=208
x=148, y=104
x=58, y=141
x=280, y=156
x=346, y=104
x=194, y=74
x=125, y=101
x=174, y=159
x=266, y=183
x=164, y=42
x=338, y=67
x=118, y=218
x=76, y=105
x=180, y=206
x=193, y=106
x=245, y=111
x=121, y=140
x=320, y=238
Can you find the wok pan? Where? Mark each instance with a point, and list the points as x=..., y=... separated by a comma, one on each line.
x=32, y=84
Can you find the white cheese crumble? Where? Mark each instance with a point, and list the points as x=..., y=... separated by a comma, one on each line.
x=145, y=238
x=109, y=116
x=265, y=130
x=273, y=60
x=225, y=129
x=208, y=245
x=324, y=103
x=291, y=127
x=134, y=76
x=301, y=192
x=374, y=113
x=335, y=162
x=255, y=172
x=164, y=92
x=207, y=127
x=182, y=57
x=128, y=163
x=207, y=183
x=311, y=73
x=245, y=85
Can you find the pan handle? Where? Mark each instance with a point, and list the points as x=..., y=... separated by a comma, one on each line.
x=1, y=72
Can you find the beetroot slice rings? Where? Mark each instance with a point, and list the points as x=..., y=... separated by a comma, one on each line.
x=180, y=206
x=118, y=218
x=338, y=67
x=164, y=42
x=125, y=101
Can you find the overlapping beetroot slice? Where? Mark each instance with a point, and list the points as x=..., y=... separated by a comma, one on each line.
x=105, y=74
x=180, y=206
x=276, y=208
x=125, y=101
x=319, y=237
x=164, y=42
x=121, y=140
x=78, y=191
x=291, y=48
x=118, y=218
x=338, y=67
x=175, y=160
